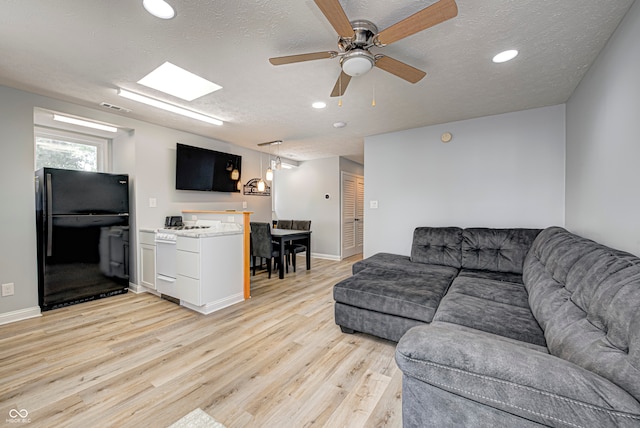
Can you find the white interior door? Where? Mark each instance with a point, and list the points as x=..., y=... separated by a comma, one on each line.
x=352, y=221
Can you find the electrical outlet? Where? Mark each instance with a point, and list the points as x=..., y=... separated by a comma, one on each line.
x=373, y=205
x=7, y=289
x=244, y=204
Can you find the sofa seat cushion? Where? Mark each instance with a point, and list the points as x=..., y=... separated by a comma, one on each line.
x=389, y=261
x=535, y=386
x=492, y=306
x=413, y=296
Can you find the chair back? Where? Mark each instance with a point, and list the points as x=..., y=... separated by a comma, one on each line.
x=284, y=224
x=301, y=225
x=261, y=245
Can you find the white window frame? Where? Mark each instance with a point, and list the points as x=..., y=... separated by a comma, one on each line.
x=103, y=145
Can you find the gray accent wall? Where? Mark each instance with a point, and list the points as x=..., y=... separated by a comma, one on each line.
x=603, y=143
x=499, y=171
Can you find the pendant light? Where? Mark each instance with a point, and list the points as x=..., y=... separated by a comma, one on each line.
x=235, y=174
x=278, y=160
x=269, y=173
x=261, y=184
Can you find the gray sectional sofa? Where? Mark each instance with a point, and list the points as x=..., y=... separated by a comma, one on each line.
x=505, y=327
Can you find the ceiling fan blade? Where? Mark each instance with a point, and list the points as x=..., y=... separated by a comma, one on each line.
x=400, y=69
x=341, y=84
x=302, y=57
x=334, y=13
x=427, y=17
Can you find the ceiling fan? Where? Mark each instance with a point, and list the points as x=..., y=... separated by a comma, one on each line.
x=356, y=38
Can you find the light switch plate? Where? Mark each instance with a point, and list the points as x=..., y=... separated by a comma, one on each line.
x=373, y=205
x=153, y=203
x=7, y=289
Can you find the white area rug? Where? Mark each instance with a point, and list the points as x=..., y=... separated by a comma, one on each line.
x=197, y=419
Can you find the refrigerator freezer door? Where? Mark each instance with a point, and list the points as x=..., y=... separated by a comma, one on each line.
x=80, y=192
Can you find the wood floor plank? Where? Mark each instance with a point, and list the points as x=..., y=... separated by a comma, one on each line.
x=277, y=359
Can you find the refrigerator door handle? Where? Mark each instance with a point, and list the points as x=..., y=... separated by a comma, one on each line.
x=49, y=217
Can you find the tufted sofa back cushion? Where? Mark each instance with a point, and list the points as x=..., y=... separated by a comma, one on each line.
x=498, y=250
x=586, y=298
x=437, y=246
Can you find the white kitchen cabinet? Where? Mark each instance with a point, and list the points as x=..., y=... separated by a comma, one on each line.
x=209, y=271
x=148, y=260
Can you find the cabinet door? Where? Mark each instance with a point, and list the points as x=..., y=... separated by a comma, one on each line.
x=148, y=266
x=188, y=290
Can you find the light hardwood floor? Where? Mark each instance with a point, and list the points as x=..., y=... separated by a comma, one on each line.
x=276, y=360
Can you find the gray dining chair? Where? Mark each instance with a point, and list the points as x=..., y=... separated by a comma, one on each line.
x=262, y=246
x=298, y=245
x=284, y=224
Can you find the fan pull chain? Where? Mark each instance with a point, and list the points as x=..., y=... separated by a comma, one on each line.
x=373, y=100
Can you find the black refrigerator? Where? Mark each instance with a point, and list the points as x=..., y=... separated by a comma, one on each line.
x=83, y=236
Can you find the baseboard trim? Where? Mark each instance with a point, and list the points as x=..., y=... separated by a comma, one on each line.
x=326, y=256
x=139, y=289
x=20, y=315
x=214, y=306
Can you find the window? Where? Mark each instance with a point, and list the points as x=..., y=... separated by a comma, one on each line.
x=56, y=148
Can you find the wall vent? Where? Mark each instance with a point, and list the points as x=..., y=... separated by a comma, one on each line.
x=115, y=107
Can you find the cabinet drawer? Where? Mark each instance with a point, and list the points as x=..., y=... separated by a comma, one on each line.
x=188, y=290
x=188, y=264
x=188, y=244
x=148, y=238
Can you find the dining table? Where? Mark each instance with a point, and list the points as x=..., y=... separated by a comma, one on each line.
x=282, y=236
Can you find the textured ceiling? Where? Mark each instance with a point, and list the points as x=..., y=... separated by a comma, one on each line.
x=82, y=51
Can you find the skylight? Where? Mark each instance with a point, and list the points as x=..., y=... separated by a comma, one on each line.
x=176, y=81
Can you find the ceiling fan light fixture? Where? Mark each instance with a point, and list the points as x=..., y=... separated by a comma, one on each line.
x=159, y=8
x=357, y=62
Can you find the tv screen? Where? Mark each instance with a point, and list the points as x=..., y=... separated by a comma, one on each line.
x=205, y=170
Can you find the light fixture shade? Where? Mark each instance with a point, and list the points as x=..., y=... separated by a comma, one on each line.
x=278, y=163
x=168, y=107
x=269, y=174
x=505, y=56
x=261, y=186
x=85, y=123
x=357, y=62
x=239, y=185
x=159, y=8
x=235, y=174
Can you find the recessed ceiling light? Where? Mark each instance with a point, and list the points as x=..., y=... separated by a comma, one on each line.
x=505, y=56
x=176, y=81
x=169, y=107
x=340, y=124
x=85, y=123
x=159, y=8
x=319, y=104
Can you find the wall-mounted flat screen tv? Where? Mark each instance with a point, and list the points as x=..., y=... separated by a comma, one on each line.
x=206, y=170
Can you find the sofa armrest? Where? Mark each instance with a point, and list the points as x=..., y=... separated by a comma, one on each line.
x=513, y=379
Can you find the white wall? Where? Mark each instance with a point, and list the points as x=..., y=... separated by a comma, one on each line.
x=300, y=195
x=498, y=171
x=147, y=154
x=603, y=144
